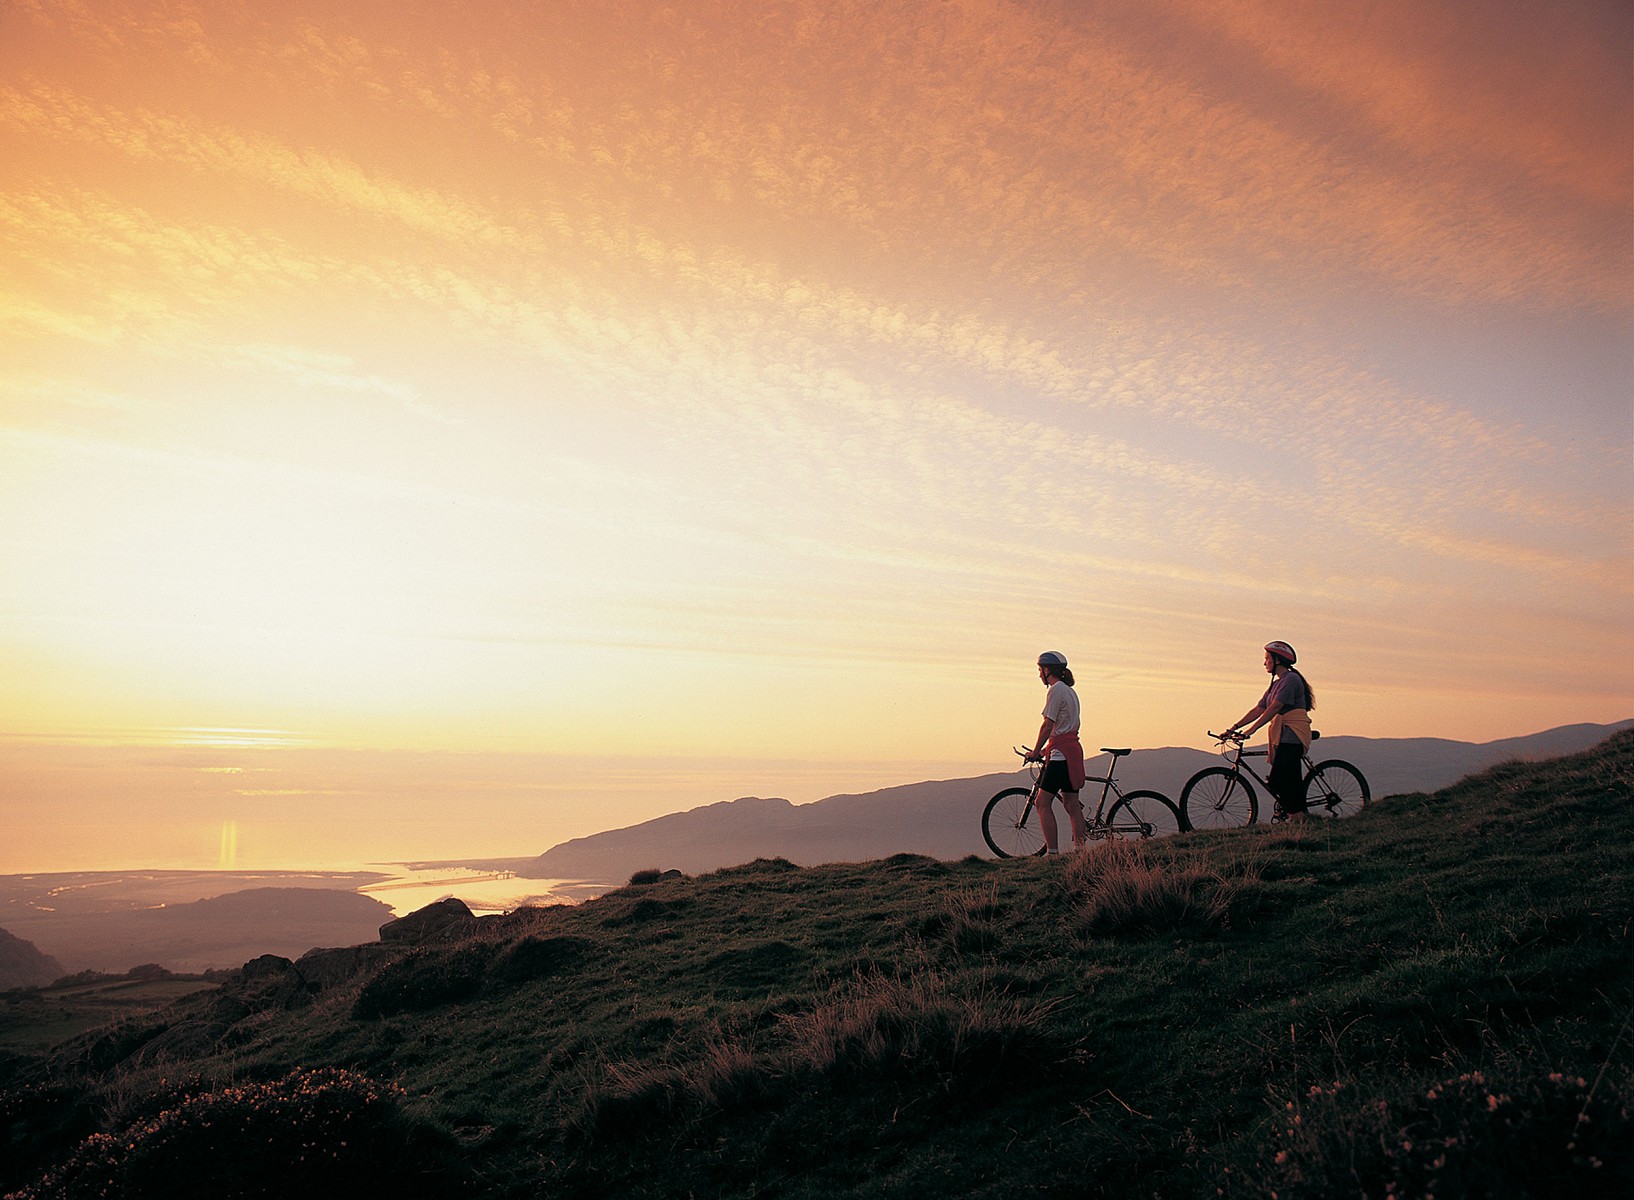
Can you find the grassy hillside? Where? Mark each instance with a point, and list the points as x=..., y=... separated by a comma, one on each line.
x=1431, y=998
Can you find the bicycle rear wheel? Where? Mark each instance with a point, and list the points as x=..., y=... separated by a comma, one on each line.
x=1010, y=826
x=1218, y=798
x=1141, y=815
x=1335, y=789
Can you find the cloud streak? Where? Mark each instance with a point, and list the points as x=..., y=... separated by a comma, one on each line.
x=797, y=336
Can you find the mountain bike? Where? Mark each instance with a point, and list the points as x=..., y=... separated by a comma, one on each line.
x=1010, y=826
x=1222, y=797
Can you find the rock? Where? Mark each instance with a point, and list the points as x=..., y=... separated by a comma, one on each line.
x=324, y=969
x=267, y=982
x=446, y=919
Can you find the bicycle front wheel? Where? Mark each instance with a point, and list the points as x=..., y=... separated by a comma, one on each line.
x=1141, y=815
x=1335, y=789
x=1010, y=826
x=1218, y=798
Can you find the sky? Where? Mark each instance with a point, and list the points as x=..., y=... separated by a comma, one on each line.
x=474, y=424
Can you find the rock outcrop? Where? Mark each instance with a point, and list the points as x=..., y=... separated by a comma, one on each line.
x=445, y=920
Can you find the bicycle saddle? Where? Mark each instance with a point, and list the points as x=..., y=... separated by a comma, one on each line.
x=1114, y=753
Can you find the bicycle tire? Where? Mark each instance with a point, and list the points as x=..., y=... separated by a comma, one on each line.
x=1141, y=815
x=1010, y=827
x=1335, y=789
x=1218, y=798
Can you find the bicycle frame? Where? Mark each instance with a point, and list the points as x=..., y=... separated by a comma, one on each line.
x=1010, y=830
x=1332, y=788
x=1240, y=751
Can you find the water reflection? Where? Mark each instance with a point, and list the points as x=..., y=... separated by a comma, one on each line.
x=484, y=891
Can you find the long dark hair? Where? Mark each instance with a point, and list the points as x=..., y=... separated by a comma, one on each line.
x=1063, y=673
x=1310, y=692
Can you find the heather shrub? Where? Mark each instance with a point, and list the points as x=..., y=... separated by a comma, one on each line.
x=1471, y=1134
x=322, y=1132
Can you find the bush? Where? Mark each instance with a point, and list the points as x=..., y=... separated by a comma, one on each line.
x=320, y=1132
x=39, y=1124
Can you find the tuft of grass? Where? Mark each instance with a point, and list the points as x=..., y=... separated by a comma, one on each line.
x=632, y=1097
x=916, y=1025
x=1120, y=885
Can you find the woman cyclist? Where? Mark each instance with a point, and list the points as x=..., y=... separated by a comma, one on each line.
x=1058, y=741
x=1285, y=707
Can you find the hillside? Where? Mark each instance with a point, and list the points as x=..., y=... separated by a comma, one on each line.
x=22, y=964
x=1434, y=995
x=940, y=818
x=219, y=932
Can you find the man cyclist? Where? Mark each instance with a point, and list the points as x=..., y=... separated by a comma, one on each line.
x=1061, y=752
x=1285, y=707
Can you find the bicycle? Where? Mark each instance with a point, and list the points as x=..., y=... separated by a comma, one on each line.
x=1221, y=797
x=1011, y=832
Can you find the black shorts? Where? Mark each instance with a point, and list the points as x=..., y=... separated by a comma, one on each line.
x=1056, y=778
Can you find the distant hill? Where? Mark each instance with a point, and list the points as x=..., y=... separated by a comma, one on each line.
x=223, y=931
x=941, y=818
x=1429, y=998
x=23, y=965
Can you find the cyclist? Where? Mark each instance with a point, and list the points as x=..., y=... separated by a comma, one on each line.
x=1285, y=707
x=1058, y=740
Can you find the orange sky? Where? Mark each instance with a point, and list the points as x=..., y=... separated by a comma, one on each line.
x=762, y=382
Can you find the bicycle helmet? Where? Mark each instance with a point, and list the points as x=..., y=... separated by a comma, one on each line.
x=1283, y=650
x=1052, y=658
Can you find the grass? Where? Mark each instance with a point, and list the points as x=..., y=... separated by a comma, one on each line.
x=1433, y=996
x=34, y=1019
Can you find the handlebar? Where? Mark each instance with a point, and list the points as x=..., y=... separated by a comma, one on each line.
x=1230, y=735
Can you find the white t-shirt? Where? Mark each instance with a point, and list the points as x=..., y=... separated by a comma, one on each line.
x=1061, y=706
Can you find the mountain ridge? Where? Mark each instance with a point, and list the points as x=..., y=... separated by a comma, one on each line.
x=940, y=818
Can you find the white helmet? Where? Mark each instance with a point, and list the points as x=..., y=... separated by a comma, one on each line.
x=1283, y=651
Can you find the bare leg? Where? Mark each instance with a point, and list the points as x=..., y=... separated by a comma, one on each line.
x=1075, y=816
x=1046, y=820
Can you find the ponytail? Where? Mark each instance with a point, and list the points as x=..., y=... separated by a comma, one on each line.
x=1310, y=692
x=1064, y=674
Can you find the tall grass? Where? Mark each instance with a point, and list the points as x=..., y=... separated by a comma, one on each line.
x=904, y=1027
x=1121, y=885
x=916, y=1025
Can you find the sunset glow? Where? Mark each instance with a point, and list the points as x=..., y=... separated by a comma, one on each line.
x=625, y=406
